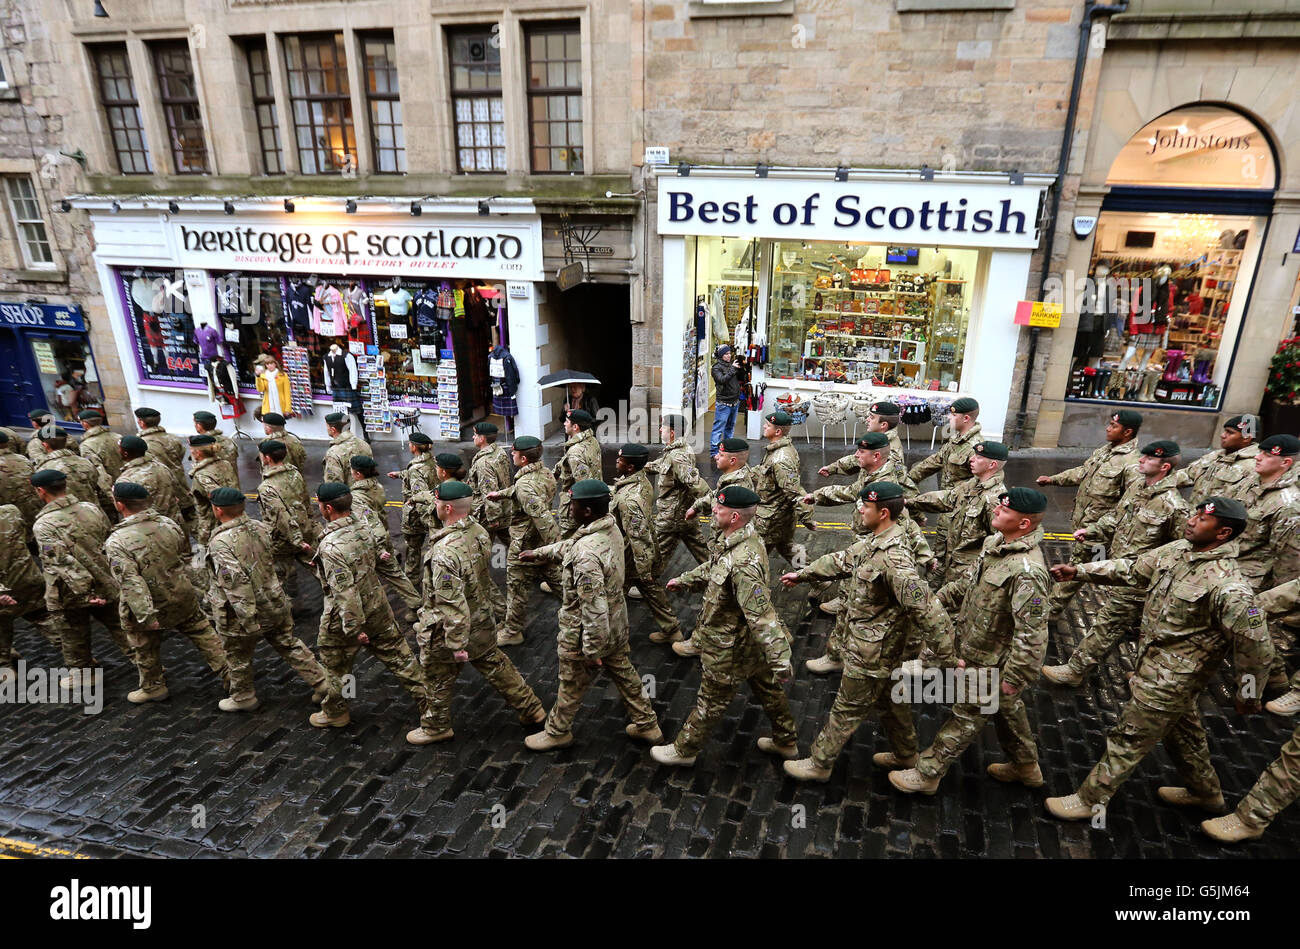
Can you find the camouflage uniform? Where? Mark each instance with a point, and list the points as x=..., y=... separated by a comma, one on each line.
x=338, y=457
x=369, y=510
x=580, y=461
x=170, y=451
x=1270, y=545
x=287, y=510
x=593, y=625
x=17, y=444
x=227, y=451
x=295, y=453
x=71, y=535
x=157, y=478
x=419, y=477
x=457, y=617
x=16, y=486
x=532, y=524
x=740, y=639
x=99, y=445
x=969, y=505
x=488, y=472
x=848, y=464
x=86, y=481
x=154, y=586
x=778, y=486
x=743, y=476
x=1102, y=480
x=1002, y=625
x=633, y=504
x=1146, y=518
x=248, y=604
x=1219, y=473
x=36, y=448
x=1276, y=789
x=678, y=486
x=885, y=599
x=952, y=463
x=355, y=603
x=21, y=579
x=1281, y=606
x=206, y=476
x=1198, y=607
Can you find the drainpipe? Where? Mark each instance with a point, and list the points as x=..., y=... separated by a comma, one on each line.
x=1090, y=10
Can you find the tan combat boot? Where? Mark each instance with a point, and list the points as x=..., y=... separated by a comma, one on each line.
x=1008, y=771
x=823, y=665
x=913, y=781
x=544, y=741
x=770, y=747
x=1286, y=704
x=1231, y=829
x=324, y=720
x=661, y=637
x=887, y=759
x=667, y=754
x=505, y=638
x=686, y=648
x=1063, y=675
x=422, y=736
x=140, y=696
x=832, y=606
x=651, y=734
x=634, y=593
x=1068, y=808
x=805, y=769
x=546, y=588
x=238, y=705
x=1182, y=797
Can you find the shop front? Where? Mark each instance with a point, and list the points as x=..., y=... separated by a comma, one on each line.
x=46, y=363
x=304, y=306
x=885, y=285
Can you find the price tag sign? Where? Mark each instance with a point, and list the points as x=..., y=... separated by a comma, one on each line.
x=397, y=330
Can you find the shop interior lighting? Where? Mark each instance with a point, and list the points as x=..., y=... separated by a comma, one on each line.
x=842, y=173
x=683, y=169
x=228, y=207
x=760, y=170
x=351, y=206
x=288, y=206
x=173, y=207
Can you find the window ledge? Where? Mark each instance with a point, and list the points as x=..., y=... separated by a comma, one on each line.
x=953, y=6
x=40, y=276
x=696, y=10
x=10, y=94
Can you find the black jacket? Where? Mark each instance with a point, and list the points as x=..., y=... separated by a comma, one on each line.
x=725, y=375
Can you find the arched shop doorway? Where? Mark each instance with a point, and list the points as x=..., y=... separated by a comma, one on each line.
x=1173, y=259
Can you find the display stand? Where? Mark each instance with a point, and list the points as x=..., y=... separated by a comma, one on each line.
x=448, y=399
x=374, y=391
x=296, y=365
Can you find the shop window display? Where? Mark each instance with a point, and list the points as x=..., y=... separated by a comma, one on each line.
x=69, y=378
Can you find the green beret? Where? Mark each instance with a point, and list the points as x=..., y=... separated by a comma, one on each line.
x=419, y=438
x=1247, y=424
x=589, y=489
x=207, y=418
x=1025, y=500
x=1280, y=445
x=634, y=451
x=779, y=418
x=226, y=497
x=130, y=491
x=453, y=491
x=273, y=418
x=364, y=463
x=143, y=413
x=736, y=446
x=331, y=491
x=87, y=414
x=48, y=478
x=874, y=441
x=1128, y=418
x=336, y=418
x=676, y=423
x=51, y=431
x=201, y=441
x=582, y=418
x=485, y=428
x=449, y=461
x=270, y=445
x=1162, y=449
x=885, y=409
x=994, y=451
x=1225, y=509
x=964, y=406
x=737, y=496
x=133, y=444
x=37, y=414
x=881, y=490
x=525, y=442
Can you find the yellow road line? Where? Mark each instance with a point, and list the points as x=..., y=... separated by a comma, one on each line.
x=21, y=848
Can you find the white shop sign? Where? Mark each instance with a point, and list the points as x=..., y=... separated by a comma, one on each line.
x=496, y=251
x=926, y=213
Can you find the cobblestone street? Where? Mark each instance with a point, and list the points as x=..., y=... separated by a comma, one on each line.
x=182, y=779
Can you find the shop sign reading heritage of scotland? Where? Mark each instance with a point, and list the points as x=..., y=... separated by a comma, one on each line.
x=500, y=249
x=946, y=214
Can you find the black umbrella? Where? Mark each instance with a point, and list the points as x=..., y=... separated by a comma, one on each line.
x=564, y=377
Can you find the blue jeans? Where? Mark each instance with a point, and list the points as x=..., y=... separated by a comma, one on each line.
x=724, y=424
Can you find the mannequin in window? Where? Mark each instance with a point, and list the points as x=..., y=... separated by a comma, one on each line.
x=328, y=318
x=504, y=373
x=1150, y=318
x=223, y=384
x=301, y=305
x=1097, y=314
x=274, y=386
x=429, y=325
x=341, y=380
x=354, y=306
x=209, y=341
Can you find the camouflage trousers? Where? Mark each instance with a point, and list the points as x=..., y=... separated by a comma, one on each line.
x=39, y=617
x=494, y=666
x=670, y=530
x=195, y=626
x=719, y=683
x=840, y=631
x=338, y=653
x=1276, y=788
x=397, y=580
x=278, y=631
x=412, y=559
x=1063, y=591
x=520, y=579
x=286, y=570
x=1139, y=730
x=653, y=596
x=568, y=526
x=1119, y=616
x=73, y=626
x=963, y=727
x=939, y=545
x=778, y=535
x=576, y=675
x=853, y=703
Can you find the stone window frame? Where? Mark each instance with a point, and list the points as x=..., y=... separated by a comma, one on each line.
x=385, y=105
x=20, y=222
x=269, y=145
x=543, y=94
x=297, y=69
x=165, y=56
x=471, y=94
x=118, y=110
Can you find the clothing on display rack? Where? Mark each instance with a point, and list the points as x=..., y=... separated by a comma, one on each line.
x=300, y=305
x=328, y=318
x=504, y=373
x=341, y=378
